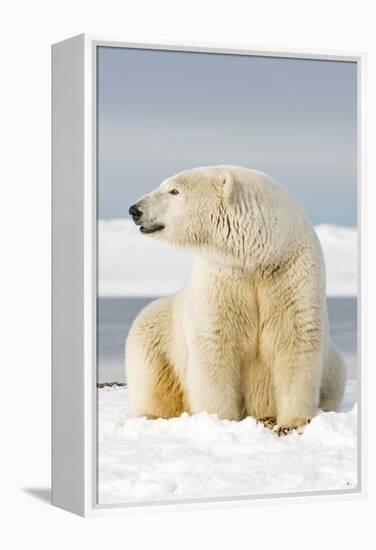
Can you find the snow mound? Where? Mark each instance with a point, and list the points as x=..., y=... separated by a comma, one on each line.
x=203, y=456
x=339, y=245
x=131, y=264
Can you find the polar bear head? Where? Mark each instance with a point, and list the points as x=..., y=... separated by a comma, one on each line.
x=228, y=212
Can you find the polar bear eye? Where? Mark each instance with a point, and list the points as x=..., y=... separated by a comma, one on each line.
x=174, y=192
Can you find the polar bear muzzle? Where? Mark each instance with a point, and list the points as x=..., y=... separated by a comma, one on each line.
x=147, y=228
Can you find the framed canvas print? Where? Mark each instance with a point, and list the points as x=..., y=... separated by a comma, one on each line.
x=207, y=210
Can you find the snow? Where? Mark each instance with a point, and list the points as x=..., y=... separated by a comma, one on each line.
x=131, y=264
x=203, y=456
x=339, y=245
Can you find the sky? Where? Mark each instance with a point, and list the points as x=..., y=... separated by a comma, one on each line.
x=160, y=112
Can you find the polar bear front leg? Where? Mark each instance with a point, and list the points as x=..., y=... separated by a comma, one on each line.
x=213, y=381
x=296, y=378
x=295, y=336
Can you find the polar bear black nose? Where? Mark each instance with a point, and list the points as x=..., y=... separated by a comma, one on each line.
x=135, y=212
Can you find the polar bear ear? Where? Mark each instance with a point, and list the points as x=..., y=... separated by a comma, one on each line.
x=228, y=183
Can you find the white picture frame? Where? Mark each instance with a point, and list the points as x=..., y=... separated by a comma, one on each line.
x=74, y=267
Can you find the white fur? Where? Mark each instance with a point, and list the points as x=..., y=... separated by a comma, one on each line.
x=248, y=334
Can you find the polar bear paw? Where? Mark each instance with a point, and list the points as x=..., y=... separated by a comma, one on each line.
x=268, y=421
x=296, y=425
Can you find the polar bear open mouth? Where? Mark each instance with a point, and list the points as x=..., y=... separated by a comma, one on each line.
x=151, y=229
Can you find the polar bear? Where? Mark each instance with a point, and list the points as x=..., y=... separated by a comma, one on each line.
x=248, y=334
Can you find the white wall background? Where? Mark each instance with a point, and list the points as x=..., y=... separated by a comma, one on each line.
x=27, y=30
